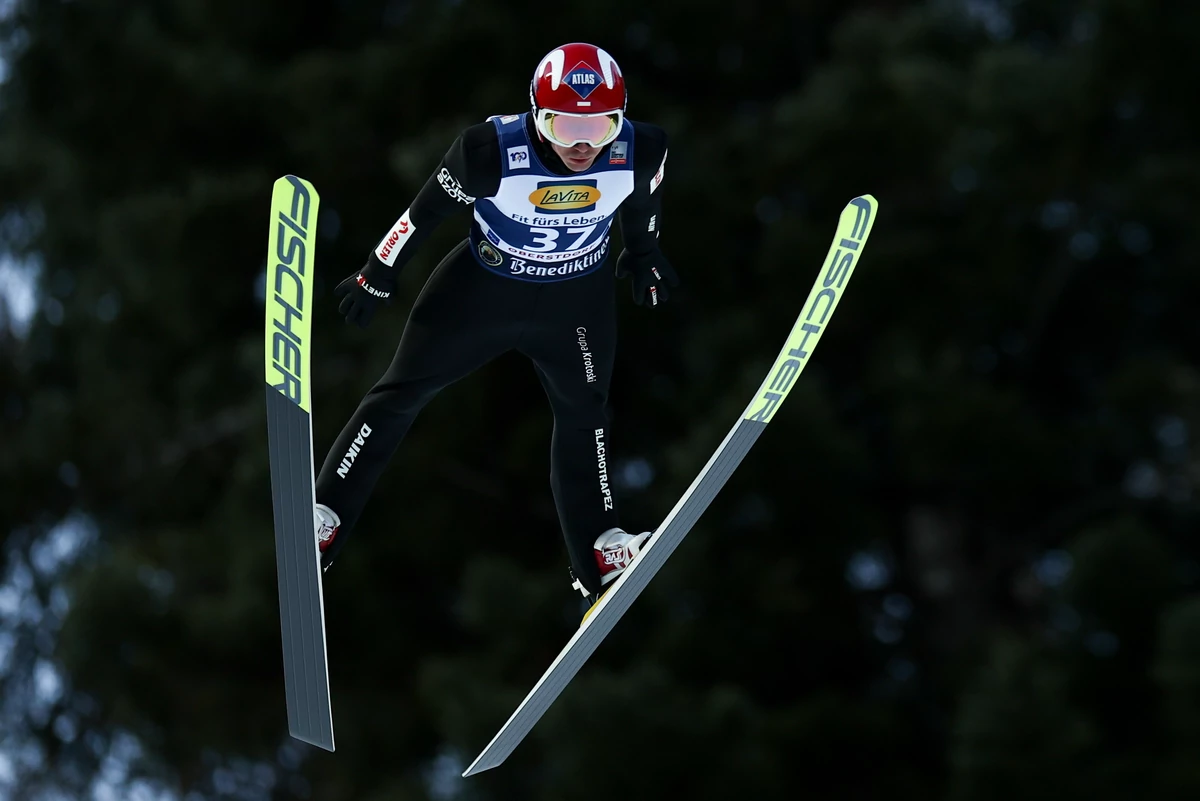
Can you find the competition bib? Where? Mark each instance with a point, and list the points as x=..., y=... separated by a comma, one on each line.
x=540, y=226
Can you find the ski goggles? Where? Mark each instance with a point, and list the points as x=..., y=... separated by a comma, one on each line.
x=565, y=129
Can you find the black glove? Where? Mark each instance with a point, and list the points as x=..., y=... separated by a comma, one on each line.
x=362, y=291
x=651, y=273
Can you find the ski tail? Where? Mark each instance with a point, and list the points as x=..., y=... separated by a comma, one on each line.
x=854, y=226
x=289, y=302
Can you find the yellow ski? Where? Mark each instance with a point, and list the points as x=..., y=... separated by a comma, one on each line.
x=854, y=226
x=289, y=304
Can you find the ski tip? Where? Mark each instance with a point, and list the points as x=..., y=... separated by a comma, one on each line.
x=296, y=182
x=864, y=200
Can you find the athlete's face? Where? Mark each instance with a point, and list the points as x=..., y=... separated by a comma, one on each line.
x=577, y=157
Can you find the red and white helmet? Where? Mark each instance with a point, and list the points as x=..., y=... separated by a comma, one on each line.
x=578, y=95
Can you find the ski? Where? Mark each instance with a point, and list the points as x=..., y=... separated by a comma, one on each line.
x=854, y=226
x=289, y=300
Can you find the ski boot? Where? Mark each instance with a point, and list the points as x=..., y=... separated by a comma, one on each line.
x=328, y=524
x=615, y=549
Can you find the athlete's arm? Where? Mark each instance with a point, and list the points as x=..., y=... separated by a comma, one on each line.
x=640, y=214
x=470, y=169
x=641, y=220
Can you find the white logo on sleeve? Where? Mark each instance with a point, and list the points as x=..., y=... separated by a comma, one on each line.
x=658, y=176
x=390, y=246
x=518, y=158
x=453, y=187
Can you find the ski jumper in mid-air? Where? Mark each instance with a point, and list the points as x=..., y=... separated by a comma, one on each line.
x=545, y=187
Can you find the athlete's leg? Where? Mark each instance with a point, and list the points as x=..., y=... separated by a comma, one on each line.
x=463, y=318
x=573, y=345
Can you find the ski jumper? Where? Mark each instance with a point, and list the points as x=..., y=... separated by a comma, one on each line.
x=532, y=276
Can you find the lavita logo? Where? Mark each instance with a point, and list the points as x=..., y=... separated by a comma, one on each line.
x=359, y=441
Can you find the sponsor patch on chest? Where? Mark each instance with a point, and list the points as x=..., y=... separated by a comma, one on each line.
x=559, y=198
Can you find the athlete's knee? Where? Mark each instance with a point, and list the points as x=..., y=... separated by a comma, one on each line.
x=582, y=416
x=400, y=396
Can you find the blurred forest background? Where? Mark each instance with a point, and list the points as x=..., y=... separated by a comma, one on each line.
x=962, y=564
